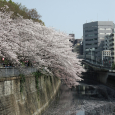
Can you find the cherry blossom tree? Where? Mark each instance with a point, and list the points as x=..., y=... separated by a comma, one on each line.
x=46, y=48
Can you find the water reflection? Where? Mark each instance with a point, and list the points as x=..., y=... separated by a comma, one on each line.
x=85, y=99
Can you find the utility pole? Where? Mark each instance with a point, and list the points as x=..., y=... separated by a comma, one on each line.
x=102, y=58
x=111, y=61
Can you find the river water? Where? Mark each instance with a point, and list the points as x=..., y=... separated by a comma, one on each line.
x=85, y=99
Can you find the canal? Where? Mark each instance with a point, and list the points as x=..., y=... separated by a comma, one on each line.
x=88, y=98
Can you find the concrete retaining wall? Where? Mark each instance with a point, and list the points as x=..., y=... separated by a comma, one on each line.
x=102, y=77
x=30, y=101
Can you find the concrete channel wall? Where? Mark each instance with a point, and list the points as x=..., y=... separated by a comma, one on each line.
x=29, y=96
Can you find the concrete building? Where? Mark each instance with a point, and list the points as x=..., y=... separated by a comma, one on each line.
x=109, y=44
x=106, y=58
x=73, y=38
x=93, y=38
x=72, y=35
x=78, y=46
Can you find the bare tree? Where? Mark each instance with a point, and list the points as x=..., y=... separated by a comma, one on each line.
x=34, y=14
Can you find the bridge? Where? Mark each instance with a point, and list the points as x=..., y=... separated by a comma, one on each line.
x=98, y=67
x=105, y=73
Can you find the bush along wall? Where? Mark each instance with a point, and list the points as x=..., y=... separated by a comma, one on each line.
x=22, y=81
x=37, y=75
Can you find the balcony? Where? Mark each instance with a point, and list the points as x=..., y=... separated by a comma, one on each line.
x=111, y=47
x=112, y=54
x=111, y=38
x=110, y=42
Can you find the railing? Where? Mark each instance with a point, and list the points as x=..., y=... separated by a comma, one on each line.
x=110, y=42
x=110, y=47
x=12, y=71
x=97, y=65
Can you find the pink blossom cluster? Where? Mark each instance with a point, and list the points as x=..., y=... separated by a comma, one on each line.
x=45, y=47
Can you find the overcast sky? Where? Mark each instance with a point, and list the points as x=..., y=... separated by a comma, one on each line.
x=70, y=15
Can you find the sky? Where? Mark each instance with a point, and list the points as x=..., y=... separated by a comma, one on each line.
x=69, y=15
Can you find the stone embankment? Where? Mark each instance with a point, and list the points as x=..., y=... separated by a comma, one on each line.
x=22, y=95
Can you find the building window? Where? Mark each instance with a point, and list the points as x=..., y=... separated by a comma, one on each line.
x=90, y=35
x=95, y=29
x=108, y=33
x=112, y=35
x=89, y=40
x=108, y=28
x=101, y=33
x=101, y=28
x=88, y=44
x=101, y=38
x=88, y=30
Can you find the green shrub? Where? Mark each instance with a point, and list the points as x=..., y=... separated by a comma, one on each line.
x=22, y=81
x=37, y=75
x=113, y=66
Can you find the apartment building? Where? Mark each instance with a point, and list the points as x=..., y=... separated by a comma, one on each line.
x=93, y=38
x=109, y=44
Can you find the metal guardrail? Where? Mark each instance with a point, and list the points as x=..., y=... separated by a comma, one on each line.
x=99, y=66
x=12, y=71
